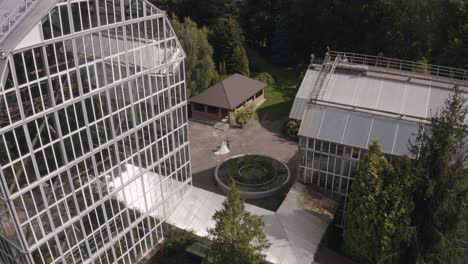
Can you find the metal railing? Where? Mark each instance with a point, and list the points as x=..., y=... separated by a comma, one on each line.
x=400, y=65
x=9, y=20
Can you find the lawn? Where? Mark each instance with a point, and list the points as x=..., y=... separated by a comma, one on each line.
x=280, y=95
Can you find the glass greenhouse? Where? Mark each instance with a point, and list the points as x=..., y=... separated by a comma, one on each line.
x=94, y=150
x=351, y=99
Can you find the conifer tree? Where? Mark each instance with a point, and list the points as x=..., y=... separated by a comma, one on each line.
x=377, y=220
x=361, y=216
x=225, y=35
x=441, y=184
x=282, y=50
x=238, y=235
x=395, y=206
x=238, y=62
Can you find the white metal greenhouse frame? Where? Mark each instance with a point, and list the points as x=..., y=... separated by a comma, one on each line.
x=350, y=99
x=92, y=98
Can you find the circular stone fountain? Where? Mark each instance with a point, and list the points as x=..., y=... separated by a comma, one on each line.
x=256, y=176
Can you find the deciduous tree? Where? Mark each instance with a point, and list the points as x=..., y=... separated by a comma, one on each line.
x=200, y=68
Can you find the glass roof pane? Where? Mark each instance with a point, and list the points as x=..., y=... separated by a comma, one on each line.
x=341, y=89
x=436, y=100
x=416, y=100
x=391, y=96
x=405, y=134
x=312, y=120
x=333, y=125
x=357, y=130
x=368, y=92
x=384, y=130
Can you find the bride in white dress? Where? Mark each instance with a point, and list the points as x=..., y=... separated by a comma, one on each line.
x=223, y=149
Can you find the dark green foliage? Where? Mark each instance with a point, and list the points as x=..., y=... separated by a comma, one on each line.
x=264, y=77
x=244, y=115
x=180, y=8
x=176, y=242
x=435, y=29
x=225, y=35
x=249, y=170
x=238, y=62
x=452, y=48
x=258, y=22
x=441, y=184
x=377, y=217
x=281, y=50
x=208, y=11
x=395, y=206
x=237, y=237
x=361, y=217
x=200, y=68
x=293, y=129
x=228, y=41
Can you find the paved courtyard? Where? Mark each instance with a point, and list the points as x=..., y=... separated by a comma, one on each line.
x=255, y=138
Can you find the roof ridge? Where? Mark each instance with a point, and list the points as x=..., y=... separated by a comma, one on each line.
x=224, y=91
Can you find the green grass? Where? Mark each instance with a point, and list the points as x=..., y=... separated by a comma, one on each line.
x=280, y=95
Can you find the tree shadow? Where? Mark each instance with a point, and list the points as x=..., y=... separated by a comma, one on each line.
x=273, y=202
x=205, y=180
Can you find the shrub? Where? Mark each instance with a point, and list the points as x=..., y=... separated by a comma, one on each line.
x=293, y=129
x=176, y=242
x=264, y=77
x=243, y=116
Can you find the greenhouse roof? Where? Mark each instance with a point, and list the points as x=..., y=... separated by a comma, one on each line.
x=353, y=104
x=18, y=17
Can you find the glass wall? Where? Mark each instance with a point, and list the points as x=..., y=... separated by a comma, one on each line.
x=94, y=150
x=330, y=166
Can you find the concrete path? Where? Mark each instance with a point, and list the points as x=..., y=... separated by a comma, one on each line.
x=293, y=231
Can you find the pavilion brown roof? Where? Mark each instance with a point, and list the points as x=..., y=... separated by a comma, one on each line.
x=229, y=93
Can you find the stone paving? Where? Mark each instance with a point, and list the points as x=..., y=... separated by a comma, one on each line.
x=255, y=138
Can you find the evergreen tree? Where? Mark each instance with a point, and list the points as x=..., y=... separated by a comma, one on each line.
x=377, y=219
x=395, y=207
x=237, y=237
x=200, y=68
x=257, y=20
x=362, y=216
x=225, y=35
x=208, y=11
x=228, y=42
x=282, y=52
x=452, y=45
x=441, y=184
x=238, y=62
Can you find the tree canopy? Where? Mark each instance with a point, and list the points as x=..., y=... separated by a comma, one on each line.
x=228, y=41
x=441, y=188
x=434, y=29
x=200, y=68
x=238, y=62
x=237, y=237
x=377, y=222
